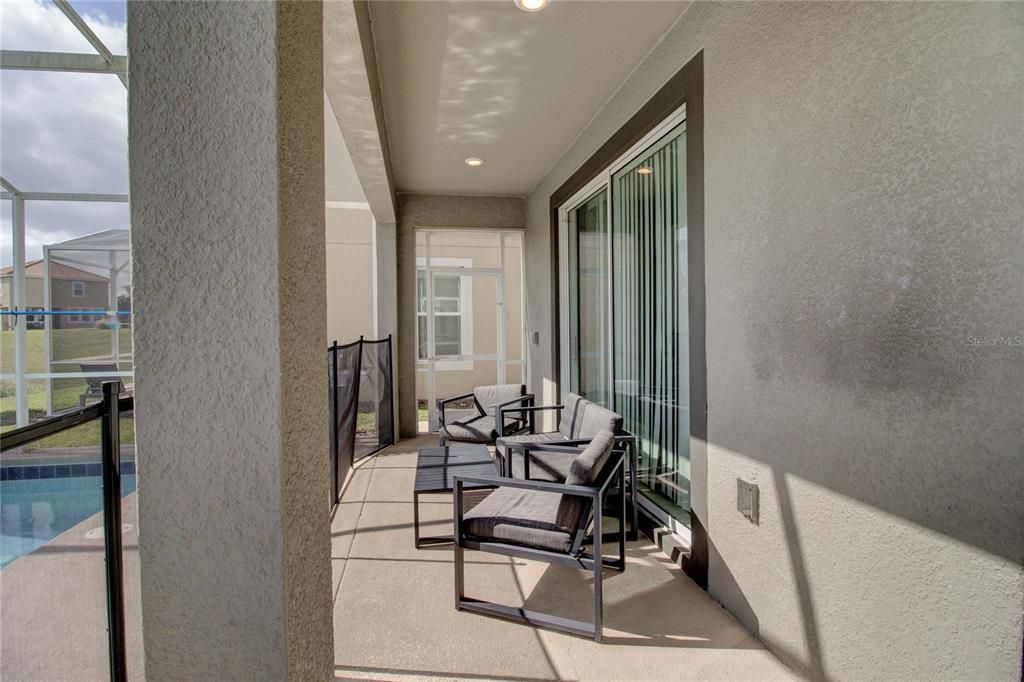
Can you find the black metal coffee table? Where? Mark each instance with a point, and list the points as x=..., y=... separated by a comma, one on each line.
x=435, y=469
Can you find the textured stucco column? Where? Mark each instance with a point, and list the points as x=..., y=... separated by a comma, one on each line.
x=385, y=295
x=227, y=183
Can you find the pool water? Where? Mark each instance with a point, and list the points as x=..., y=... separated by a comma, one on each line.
x=34, y=511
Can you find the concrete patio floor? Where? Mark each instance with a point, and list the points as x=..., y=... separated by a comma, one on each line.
x=394, y=616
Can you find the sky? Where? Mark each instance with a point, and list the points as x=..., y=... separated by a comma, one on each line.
x=62, y=132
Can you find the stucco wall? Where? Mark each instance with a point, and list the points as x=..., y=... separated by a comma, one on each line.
x=863, y=174
x=421, y=211
x=350, y=279
x=234, y=532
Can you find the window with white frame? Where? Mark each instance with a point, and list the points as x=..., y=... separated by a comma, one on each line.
x=450, y=314
x=34, y=321
x=78, y=289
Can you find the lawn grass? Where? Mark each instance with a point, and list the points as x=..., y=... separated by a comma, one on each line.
x=86, y=435
x=68, y=344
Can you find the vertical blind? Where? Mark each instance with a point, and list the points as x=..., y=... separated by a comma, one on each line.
x=650, y=317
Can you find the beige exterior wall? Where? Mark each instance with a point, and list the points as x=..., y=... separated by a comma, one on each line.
x=349, y=274
x=96, y=298
x=863, y=166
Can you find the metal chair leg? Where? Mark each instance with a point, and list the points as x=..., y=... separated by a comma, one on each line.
x=416, y=519
x=622, y=519
x=598, y=575
x=460, y=582
x=634, y=528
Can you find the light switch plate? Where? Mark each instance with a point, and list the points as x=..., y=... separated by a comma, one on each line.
x=747, y=499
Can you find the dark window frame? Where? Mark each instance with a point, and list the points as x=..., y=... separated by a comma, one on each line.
x=685, y=87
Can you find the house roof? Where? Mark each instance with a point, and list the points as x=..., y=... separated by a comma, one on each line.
x=34, y=270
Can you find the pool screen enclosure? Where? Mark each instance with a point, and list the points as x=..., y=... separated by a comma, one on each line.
x=84, y=288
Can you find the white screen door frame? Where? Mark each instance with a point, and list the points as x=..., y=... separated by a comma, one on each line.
x=433, y=363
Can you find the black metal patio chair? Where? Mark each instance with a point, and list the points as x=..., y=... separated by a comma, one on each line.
x=94, y=385
x=549, y=522
x=524, y=455
x=495, y=415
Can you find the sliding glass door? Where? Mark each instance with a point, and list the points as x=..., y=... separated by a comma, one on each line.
x=650, y=322
x=625, y=320
x=588, y=298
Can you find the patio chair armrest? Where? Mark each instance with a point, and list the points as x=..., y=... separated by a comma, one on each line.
x=540, y=486
x=500, y=411
x=500, y=407
x=444, y=401
x=539, y=408
x=621, y=438
x=547, y=446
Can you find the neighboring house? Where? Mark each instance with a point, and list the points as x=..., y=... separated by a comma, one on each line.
x=72, y=289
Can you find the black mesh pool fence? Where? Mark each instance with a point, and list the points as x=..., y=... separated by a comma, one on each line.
x=361, y=403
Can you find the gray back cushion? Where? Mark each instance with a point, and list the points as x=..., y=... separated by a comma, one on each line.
x=487, y=397
x=594, y=418
x=570, y=414
x=584, y=470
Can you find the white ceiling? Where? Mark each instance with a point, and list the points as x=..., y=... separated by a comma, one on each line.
x=484, y=79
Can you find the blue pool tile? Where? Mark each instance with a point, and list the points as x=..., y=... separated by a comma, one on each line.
x=47, y=471
x=127, y=467
x=62, y=470
x=16, y=473
x=94, y=469
x=4, y=473
x=79, y=470
x=31, y=472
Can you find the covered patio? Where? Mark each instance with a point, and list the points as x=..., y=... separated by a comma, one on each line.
x=658, y=623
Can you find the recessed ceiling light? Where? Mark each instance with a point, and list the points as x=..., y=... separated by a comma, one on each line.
x=474, y=161
x=531, y=5
x=644, y=170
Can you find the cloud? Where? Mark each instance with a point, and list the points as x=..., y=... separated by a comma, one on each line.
x=34, y=25
x=61, y=132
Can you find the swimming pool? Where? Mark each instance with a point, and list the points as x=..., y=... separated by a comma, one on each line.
x=33, y=511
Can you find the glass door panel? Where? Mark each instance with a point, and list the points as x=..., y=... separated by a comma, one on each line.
x=514, y=310
x=467, y=324
x=469, y=314
x=588, y=298
x=651, y=323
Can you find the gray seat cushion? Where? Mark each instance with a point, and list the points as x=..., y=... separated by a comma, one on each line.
x=551, y=436
x=584, y=470
x=544, y=466
x=586, y=466
x=519, y=517
x=593, y=418
x=570, y=413
x=487, y=397
x=474, y=430
x=541, y=519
